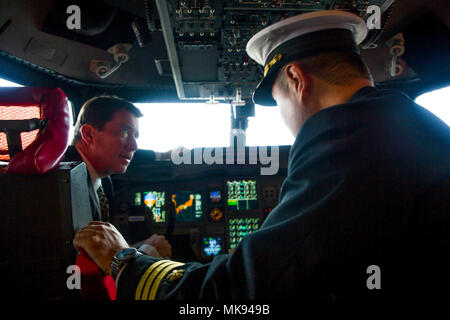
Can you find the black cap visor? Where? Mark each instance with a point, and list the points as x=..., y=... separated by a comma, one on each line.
x=263, y=92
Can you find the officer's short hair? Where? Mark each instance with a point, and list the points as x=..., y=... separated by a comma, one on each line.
x=99, y=110
x=336, y=68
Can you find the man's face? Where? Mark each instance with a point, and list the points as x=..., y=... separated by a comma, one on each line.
x=113, y=147
x=289, y=108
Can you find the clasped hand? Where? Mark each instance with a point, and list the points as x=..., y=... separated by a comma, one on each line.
x=101, y=241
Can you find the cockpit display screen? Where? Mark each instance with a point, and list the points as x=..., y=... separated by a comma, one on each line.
x=242, y=195
x=137, y=199
x=215, y=196
x=239, y=228
x=188, y=206
x=155, y=200
x=212, y=246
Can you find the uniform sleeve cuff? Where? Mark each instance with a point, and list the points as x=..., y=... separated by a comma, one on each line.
x=141, y=278
x=131, y=275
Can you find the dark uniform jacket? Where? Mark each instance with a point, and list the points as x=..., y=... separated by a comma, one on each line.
x=363, y=212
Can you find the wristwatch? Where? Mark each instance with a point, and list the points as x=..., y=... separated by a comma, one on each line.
x=121, y=259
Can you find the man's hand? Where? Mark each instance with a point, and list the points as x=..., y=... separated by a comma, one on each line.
x=149, y=250
x=101, y=241
x=161, y=244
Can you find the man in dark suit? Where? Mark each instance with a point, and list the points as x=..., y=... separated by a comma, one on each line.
x=364, y=210
x=105, y=139
x=72, y=154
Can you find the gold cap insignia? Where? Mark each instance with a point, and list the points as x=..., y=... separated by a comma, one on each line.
x=274, y=60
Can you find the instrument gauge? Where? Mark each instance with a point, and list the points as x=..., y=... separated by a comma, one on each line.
x=216, y=214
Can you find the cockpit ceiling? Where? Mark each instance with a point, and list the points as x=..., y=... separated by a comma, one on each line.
x=192, y=49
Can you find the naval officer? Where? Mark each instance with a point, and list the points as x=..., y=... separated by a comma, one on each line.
x=364, y=209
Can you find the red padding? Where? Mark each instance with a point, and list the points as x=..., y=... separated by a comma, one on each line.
x=95, y=284
x=47, y=150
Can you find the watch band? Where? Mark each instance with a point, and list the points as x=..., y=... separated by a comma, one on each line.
x=121, y=259
x=116, y=267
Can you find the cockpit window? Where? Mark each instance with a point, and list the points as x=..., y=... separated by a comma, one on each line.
x=267, y=128
x=165, y=126
x=437, y=102
x=6, y=83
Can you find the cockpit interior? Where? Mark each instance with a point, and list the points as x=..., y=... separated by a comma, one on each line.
x=155, y=51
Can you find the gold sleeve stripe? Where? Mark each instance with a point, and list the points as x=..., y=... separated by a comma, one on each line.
x=151, y=279
x=145, y=277
x=160, y=277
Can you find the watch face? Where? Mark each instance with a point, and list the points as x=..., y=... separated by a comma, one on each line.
x=126, y=254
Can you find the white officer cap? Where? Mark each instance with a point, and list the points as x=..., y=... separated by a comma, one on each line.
x=302, y=36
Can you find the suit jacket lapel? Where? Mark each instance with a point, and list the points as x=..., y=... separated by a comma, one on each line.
x=73, y=155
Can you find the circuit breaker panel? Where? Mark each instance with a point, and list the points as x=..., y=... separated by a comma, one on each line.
x=210, y=37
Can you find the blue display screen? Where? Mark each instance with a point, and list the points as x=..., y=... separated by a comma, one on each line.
x=215, y=196
x=212, y=246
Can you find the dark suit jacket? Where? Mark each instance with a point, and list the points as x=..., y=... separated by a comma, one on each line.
x=368, y=185
x=141, y=156
x=73, y=155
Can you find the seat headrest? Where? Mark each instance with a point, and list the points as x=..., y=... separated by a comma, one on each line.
x=44, y=153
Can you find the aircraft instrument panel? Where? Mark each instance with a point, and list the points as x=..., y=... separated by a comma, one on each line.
x=202, y=217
